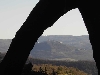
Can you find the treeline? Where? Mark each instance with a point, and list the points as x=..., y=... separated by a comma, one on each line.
x=86, y=66
x=57, y=70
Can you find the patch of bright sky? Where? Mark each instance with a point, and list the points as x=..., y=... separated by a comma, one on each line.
x=70, y=23
x=13, y=14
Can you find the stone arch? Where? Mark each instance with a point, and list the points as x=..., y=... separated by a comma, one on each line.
x=45, y=13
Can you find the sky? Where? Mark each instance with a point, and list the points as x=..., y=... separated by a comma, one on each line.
x=13, y=14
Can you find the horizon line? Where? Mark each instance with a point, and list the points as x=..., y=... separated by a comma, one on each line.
x=50, y=35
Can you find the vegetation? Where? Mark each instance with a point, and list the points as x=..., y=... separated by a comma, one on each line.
x=86, y=66
x=57, y=70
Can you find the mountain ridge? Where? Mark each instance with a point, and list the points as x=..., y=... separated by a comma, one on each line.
x=60, y=51
x=56, y=45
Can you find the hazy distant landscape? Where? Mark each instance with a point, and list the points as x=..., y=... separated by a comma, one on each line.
x=58, y=47
x=65, y=50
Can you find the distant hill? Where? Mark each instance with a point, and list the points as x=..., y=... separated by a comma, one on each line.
x=58, y=51
x=81, y=42
x=58, y=47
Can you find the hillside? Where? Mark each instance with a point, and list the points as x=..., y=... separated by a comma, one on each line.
x=86, y=66
x=58, y=51
x=58, y=47
x=81, y=42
